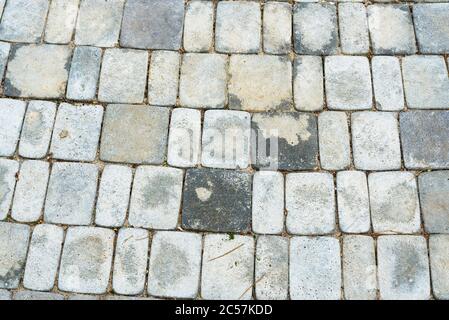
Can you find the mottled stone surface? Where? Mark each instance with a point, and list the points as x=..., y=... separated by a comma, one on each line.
x=163, y=78
x=5, y=294
x=277, y=30
x=308, y=83
x=439, y=259
x=199, y=26
x=353, y=25
x=37, y=295
x=8, y=171
x=431, y=27
x=387, y=83
x=11, y=119
x=5, y=47
x=61, y=21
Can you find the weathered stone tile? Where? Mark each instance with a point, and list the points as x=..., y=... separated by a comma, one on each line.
x=130, y=263
x=163, y=78
x=37, y=295
x=37, y=71
x=76, y=132
x=315, y=268
x=5, y=294
x=11, y=119
x=83, y=297
x=153, y=24
x=260, y=83
x=277, y=27
x=285, y=141
x=61, y=21
x=8, y=171
x=113, y=196
x=228, y=267
x=375, y=141
x=431, y=27
x=43, y=257
x=207, y=195
x=175, y=262
x=353, y=25
x=86, y=260
x=308, y=83
x=134, y=134
x=13, y=249
x=71, y=193
x=439, y=259
x=387, y=83
x=238, y=27
x=198, y=26
x=156, y=197
x=203, y=81
x=123, y=76
x=30, y=191
x=403, y=268
x=5, y=47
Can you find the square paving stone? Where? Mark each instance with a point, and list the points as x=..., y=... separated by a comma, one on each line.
x=134, y=134
x=425, y=139
x=387, y=83
x=284, y=140
x=199, y=26
x=11, y=119
x=260, y=83
x=431, y=27
x=207, y=195
x=153, y=24
x=86, y=260
x=277, y=27
x=439, y=260
x=8, y=171
x=38, y=71
x=61, y=21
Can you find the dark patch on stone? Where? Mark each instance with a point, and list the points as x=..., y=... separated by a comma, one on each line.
x=235, y=102
x=10, y=90
x=407, y=267
x=157, y=190
x=11, y=278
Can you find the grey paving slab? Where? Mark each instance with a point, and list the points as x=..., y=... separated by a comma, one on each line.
x=37, y=296
x=163, y=78
x=5, y=295
x=61, y=21
x=199, y=26
x=439, y=258
x=8, y=171
x=431, y=27
x=277, y=31
x=11, y=119
x=5, y=47
x=353, y=26
x=387, y=83
x=308, y=83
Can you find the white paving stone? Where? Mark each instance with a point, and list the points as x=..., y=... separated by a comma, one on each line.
x=277, y=30
x=308, y=83
x=11, y=119
x=8, y=171
x=61, y=21
x=353, y=25
x=439, y=260
x=198, y=26
x=387, y=83
x=163, y=78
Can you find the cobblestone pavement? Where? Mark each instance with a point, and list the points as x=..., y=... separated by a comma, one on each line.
x=224, y=149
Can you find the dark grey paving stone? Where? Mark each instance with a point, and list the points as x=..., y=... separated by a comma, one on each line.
x=432, y=27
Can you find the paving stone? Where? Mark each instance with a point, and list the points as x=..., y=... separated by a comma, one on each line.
x=8, y=171
x=37, y=71
x=86, y=260
x=260, y=83
x=84, y=73
x=315, y=28
x=271, y=268
x=353, y=202
x=153, y=24
x=277, y=30
x=353, y=25
x=238, y=27
x=394, y=202
x=36, y=296
x=163, y=78
x=76, y=132
x=426, y=82
x=207, y=195
x=5, y=47
x=315, y=268
x=375, y=141
x=31, y=188
x=226, y=139
x=175, y=262
x=308, y=84
x=268, y=202
x=130, y=263
x=5, y=294
x=71, y=193
x=335, y=149
x=23, y=20
x=13, y=249
x=2, y=6
x=82, y=297
x=439, y=259
x=391, y=29
x=99, y=22
x=431, y=27
x=37, y=129
x=285, y=141
x=387, y=83
x=359, y=268
x=199, y=26
x=134, y=134
x=61, y=21
x=184, y=141
x=43, y=257
x=113, y=196
x=203, y=81
x=228, y=267
x=403, y=268
x=123, y=76
x=348, y=83
x=156, y=197
x=11, y=119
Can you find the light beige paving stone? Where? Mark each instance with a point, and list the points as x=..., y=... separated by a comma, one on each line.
x=353, y=23
x=11, y=119
x=277, y=30
x=308, y=83
x=36, y=296
x=199, y=26
x=439, y=259
x=387, y=83
x=8, y=171
x=163, y=78
x=61, y=21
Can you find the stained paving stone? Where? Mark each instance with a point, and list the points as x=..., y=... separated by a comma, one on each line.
x=228, y=267
x=353, y=25
x=43, y=257
x=238, y=27
x=315, y=268
x=37, y=295
x=11, y=119
x=71, y=193
x=387, y=83
x=277, y=30
x=431, y=27
x=37, y=71
x=199, y=26
x=308, y=83
x=175, y=263
x=131, y=258
x=14, y=240
x=156, y=197
x=86, y=260
x=284, y=141
x=61, y=21
x=260, y=83
x=403, y=268
x=8, y=171
x=76, y=132
x=310, y=203
x=207, y=195
x=153, y=24
x=424, y=136
x=391, y=29
x=5, y=294
x=315, y=28
x=134, y=134
x=439, y=259
x=5, y=47
x=163, y=78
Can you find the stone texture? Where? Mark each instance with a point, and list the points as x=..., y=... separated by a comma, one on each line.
x=431, y=27
x=5, y=48
x=37, y=296
x=163, y=78
x=387, y=83
x=61, y=21
x=353, y=25
x=439, y=259
x=11, y=119
x=5, y=294
x=8, y=171
x=277, y=30
x=199, y=26
x=308, y=84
